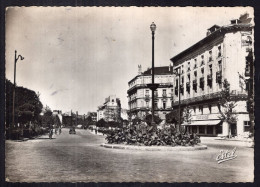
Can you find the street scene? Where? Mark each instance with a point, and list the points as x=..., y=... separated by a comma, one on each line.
x=129, y=94
x=79, y=157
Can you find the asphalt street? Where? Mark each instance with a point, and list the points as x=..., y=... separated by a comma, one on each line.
x=80, y=158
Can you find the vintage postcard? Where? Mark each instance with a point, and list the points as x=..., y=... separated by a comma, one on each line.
x=129, y=94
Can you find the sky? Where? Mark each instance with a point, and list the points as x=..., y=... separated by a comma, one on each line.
x=75, y=57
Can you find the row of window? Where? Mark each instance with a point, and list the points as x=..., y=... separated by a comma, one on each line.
x=202, y=60
x=195, y=83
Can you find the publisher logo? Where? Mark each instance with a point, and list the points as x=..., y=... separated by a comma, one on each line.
x=226, y=155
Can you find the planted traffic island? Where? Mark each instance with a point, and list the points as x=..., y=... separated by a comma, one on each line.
x=155, y=148
x=145, y=137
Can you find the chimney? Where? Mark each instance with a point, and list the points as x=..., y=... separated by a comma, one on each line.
x=139, y=69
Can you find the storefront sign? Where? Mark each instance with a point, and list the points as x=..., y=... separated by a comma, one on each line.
x=202, y=117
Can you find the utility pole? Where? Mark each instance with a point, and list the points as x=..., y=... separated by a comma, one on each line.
x=15, y=61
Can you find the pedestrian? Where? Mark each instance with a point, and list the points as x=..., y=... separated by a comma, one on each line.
x=50, y=133
x=96, y=131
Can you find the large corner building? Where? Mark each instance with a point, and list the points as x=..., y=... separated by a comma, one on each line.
x=225, y=53
x=140, y=96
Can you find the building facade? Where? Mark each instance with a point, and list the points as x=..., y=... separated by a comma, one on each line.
x=110, y=110
x=140, y=96
x=225, y=53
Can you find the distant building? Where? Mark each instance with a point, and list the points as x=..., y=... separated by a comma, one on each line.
x=140, y=96
x=124, y=114
x=58, y=113
x=110, y=110
x=225, y=53
x=93, y=116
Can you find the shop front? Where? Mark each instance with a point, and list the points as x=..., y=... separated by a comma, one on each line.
x=203, y=128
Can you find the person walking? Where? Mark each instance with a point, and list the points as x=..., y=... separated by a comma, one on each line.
x=50, y=133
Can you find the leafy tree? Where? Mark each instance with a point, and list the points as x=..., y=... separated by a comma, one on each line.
x=148, y=119
x=25, y=113
x=186, y=116
x=227, y=104
x=172, y=117
x=102, y=123
x=26, y=101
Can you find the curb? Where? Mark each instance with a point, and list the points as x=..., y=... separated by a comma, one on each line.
x=234, y=140
x=155, y=148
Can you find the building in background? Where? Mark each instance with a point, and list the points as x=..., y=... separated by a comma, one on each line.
x=93, y=116
x=225, y=53
x=140, y=96
x=110, y=110
x=58, y=113
x=124, y=114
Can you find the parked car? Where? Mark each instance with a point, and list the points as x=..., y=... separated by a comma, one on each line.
x=72, y=131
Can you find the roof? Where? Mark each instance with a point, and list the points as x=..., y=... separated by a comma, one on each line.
x=221, y=31
x=162, y=70
x=159, y=70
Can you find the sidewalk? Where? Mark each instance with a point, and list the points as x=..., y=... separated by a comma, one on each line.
x=93, y=132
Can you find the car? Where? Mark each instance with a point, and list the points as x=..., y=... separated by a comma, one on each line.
x=72, y=131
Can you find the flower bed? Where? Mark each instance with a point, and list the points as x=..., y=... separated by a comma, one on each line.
x=145, y=135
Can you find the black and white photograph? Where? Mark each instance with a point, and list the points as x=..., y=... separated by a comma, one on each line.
x=129, y=94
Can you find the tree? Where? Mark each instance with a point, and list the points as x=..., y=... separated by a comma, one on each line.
x=227, y=104
x=25, y=100
x=186, y=116
x=172, y=117
x=148, y=119
x=102, y=123
x=88, y=121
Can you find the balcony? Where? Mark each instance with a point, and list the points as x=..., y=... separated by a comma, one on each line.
x=188, y=87
x=219, y=77
x=176, y=90
x=247, y=72
x=155, y=95
x=164, y=95
x=199, y=99
x=147, y=97
x=202, y=83
x=209, y=80
x=194, y=83
x=181, y=89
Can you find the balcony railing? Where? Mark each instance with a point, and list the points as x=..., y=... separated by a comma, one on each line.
x=181, y=89
x=176, y=90
x=202, y=83
x=164, y=95
x=247, y=72
x=147, y=97
x=194, y=83
x=188, y=87
x=209, y=80
x=199, y=98
x=219, y=77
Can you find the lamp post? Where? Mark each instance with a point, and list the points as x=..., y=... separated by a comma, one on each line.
x=15, y=61
x=177, y=72
x=153, y=86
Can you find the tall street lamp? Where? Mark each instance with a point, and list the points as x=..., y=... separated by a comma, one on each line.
x=16, y=58
x=153, y=86
x=177, y=72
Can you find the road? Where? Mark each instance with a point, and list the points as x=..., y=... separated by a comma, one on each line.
x=75, y=158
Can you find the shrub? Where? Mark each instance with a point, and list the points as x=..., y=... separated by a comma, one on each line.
x=144, y=135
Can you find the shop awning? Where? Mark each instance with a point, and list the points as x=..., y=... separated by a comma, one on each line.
x=206, y=122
